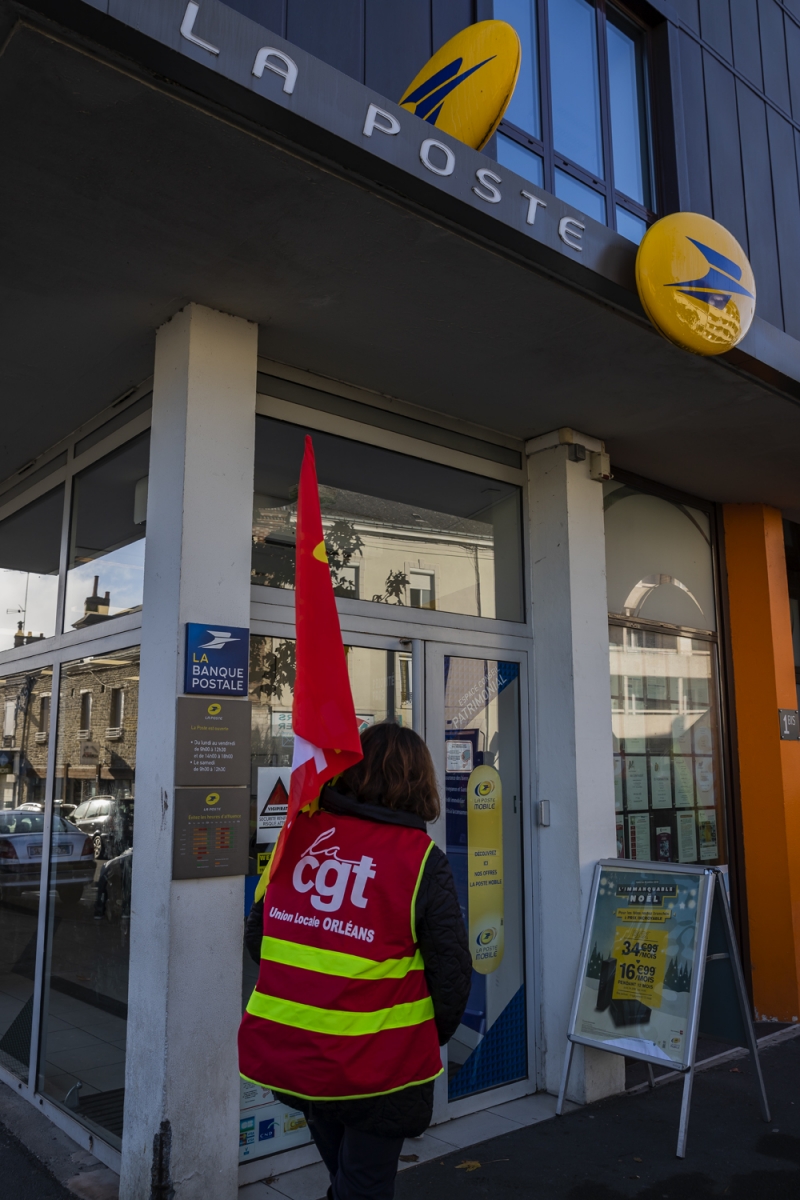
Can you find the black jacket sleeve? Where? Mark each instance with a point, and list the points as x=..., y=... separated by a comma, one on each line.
x=253, y=929
x=443, y=941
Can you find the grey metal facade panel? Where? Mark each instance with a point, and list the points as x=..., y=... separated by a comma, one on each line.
x=787, y=215
x=793, y=61
x=724, y=153
x=757, y=174
x=688, y=11
x=773, y=53
x=397, y=44
x=715, y=26
x=269, y=13
x=746, y=40
x=449, y=17
x=332, y=32
x=696, y=133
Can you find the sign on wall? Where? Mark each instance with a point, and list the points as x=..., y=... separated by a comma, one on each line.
x=217, y=660
x=212, y=742
x=211, y=833
x=468, y=84
x=695, y=283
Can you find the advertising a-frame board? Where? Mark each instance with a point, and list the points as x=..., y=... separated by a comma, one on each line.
x=660, y=965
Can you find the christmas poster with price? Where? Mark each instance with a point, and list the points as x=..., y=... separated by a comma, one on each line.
x=636, y=989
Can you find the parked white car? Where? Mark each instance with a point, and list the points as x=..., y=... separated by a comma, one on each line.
x=21, y=839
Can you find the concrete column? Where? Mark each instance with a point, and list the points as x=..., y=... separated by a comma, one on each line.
x=182, y=1086
x=769, y=769
x=572, y=720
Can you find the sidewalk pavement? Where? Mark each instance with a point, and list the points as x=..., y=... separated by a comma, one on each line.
x=625, y=1146
x=618, y=1148
x=40, y=1162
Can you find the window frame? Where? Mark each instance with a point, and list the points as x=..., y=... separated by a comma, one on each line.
x=544, y=147
x=72, y=458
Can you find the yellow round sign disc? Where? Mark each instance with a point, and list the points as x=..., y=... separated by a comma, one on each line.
x=465, y=88
x=695, y=283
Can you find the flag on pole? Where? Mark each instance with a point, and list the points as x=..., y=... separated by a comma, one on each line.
x=326, y=740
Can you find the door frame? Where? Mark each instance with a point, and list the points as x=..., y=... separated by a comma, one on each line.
x=434, y=654
x=427, y=654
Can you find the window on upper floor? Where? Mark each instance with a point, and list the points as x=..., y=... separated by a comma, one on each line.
x=578, y=122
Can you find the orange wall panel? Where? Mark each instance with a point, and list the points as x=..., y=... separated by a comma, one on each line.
x=769, y=769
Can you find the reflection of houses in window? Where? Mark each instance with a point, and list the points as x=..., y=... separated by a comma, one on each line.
x=346, y=584
x=405, y=680
x=116, y=714
x=421, y=589
x=95, y=608
x=43, y=719
x=85, y=725
x=371, y=542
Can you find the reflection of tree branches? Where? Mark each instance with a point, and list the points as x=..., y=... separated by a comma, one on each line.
x=273, y=561
x=341, y=543
x=396, y=583
x=272, y=667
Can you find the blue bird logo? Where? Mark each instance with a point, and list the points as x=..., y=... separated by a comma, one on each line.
x=719, y=283
x=429, y=97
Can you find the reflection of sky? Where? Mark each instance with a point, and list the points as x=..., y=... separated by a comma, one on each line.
x=37, y=610
x=121, y=573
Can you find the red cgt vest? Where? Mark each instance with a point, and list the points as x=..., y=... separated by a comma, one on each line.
x=341, y=1009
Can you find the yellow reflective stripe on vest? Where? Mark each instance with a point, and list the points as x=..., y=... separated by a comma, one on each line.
x=336, y=962
x=340, y=1024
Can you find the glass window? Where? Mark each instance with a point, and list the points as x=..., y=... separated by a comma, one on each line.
x=667, y=769
x=659, y=563
x=484, y=846
x=85, y=1001
x=597, y=119
x=580, y=196
x=30, y=552
x=523, y=110
x=668, y=777
x=23, y=774
x=393, y=517
x=523, y=162
x=631, y=227
x=575, y=84
x=382, y=682
x=626, y=88
x=107, y=536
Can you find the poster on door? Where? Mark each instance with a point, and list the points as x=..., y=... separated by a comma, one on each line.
x=485, y=869
x=272, y=802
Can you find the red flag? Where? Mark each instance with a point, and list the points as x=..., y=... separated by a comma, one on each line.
x=326, y=740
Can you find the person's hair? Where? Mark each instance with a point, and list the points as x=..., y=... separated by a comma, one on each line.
x=396, y=772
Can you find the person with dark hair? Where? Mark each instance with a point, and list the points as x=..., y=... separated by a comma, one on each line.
x=365, y=968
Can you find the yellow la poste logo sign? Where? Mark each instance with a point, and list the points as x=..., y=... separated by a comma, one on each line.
x=467, y=85
x=695, y=283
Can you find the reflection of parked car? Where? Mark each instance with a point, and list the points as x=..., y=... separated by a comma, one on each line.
x=21, y=853
x=108, y=822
